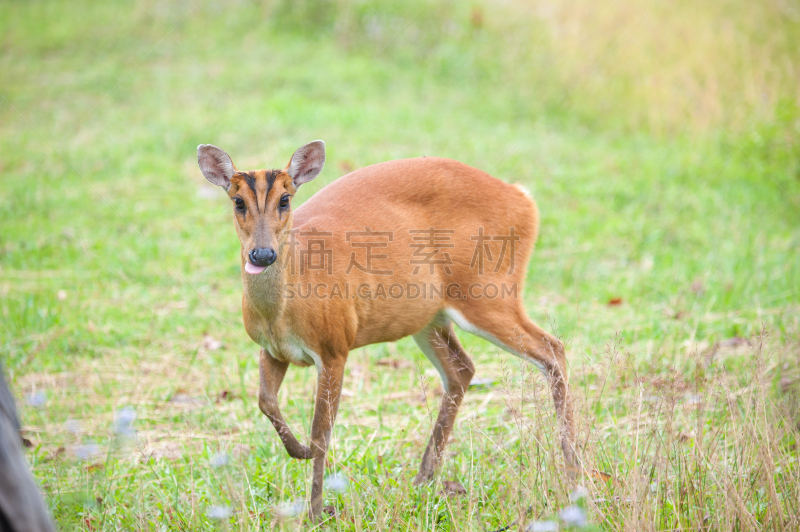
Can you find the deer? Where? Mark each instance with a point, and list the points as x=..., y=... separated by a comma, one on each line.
x=364, y=243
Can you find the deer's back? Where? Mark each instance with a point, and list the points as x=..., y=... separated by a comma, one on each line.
x=437, y=222
x=412, y=194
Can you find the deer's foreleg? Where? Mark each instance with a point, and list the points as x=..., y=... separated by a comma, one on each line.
x=271, y=373
x=329, y=390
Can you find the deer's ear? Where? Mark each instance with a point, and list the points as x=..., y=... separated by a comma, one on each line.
x=307, y=162
x=216, y=165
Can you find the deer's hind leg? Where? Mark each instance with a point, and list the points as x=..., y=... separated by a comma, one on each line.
x=439, y=344
x=507, y=325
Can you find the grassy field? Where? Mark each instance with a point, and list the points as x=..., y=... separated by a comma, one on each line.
x=660, y=140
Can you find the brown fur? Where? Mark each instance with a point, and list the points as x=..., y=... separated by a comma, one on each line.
x=398, y=197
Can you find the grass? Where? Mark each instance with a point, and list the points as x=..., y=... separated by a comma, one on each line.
x=660, y=141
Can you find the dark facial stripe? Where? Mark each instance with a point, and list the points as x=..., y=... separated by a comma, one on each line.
x=270, y=175
x=251, y=180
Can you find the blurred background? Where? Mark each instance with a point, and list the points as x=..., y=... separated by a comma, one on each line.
x=659, y=138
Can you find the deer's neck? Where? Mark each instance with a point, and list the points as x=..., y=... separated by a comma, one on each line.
x=265, y=291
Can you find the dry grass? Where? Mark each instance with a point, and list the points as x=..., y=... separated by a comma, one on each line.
x=676, y=67
x=713, y=448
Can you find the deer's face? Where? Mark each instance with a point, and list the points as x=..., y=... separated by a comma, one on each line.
x=262, y=212
x=261, y=199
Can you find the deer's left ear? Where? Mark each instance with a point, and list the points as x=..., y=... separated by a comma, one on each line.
x=307, y=162
x=216, y=165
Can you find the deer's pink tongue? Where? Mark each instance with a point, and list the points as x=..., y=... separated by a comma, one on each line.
x=252, y=269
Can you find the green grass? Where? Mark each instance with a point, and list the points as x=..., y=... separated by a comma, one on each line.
x=117, y=259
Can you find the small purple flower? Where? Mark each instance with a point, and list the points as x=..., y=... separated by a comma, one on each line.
x=87, y=452
x=36, y=399
x=288, y=510
x=573, y=516
x=220, y=460
x=337, y=482
x=73, y=426
x=219, y=512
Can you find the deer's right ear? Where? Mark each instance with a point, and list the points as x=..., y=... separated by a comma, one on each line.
x=216, y=165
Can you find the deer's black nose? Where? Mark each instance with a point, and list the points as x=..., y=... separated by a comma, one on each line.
x=263, y=256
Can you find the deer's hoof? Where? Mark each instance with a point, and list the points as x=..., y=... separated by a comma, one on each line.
x=423, y=477
x=315, y=514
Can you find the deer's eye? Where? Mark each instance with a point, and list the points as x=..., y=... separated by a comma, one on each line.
x=239, y=202
x=284, y=201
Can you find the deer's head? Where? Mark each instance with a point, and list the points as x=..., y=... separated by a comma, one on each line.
x=261, y=199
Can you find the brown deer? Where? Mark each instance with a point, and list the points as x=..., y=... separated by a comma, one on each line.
x=401, y=248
